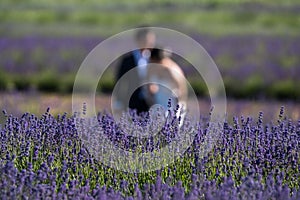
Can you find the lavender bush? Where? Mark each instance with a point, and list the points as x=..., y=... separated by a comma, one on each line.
x=43, y=158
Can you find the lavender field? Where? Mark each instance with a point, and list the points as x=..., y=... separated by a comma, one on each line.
x=43, y=157
x=255, y=157
x=254, y=153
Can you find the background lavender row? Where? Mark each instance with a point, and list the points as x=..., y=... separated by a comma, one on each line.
x=238, y=56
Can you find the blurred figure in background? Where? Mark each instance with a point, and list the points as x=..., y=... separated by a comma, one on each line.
x=139, y=58
x=168, y=81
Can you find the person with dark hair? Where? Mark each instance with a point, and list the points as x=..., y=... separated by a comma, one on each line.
x=137, y=59
x=167, y=81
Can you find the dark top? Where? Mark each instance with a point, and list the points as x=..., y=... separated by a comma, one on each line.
x=136, y=100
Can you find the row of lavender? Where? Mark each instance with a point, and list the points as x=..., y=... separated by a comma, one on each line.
x=44, y=157
x=247, y=59
x=238, y=56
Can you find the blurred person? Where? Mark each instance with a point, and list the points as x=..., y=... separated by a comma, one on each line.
x=139, y=58
x=168, y=82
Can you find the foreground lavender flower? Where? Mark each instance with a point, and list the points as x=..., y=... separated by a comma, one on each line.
x=43, y=158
